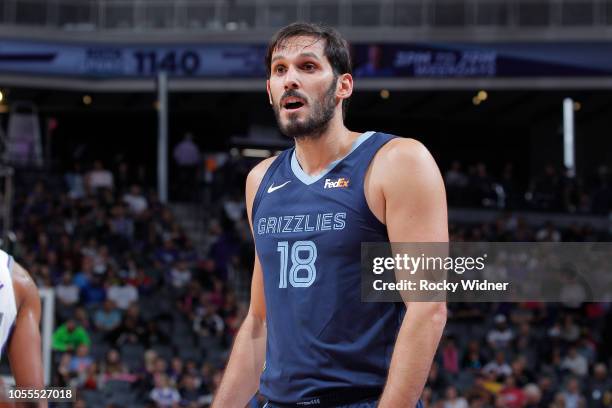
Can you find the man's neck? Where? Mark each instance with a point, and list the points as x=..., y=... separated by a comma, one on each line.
x=315, y=154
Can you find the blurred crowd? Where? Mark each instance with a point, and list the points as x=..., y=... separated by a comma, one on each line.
x=144, y=315
x=140, y=313
x=550, y=189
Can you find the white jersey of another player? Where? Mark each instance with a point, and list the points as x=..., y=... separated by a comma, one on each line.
x=8, y=303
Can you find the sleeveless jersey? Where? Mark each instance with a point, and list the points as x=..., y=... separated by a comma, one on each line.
x=8, y=304
x=321, y=338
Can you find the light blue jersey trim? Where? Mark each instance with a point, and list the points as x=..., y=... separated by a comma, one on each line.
x=308, y=179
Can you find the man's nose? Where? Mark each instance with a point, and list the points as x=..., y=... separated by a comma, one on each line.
x=291, y=79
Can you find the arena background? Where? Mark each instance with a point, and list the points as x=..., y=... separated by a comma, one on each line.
x=97, y=88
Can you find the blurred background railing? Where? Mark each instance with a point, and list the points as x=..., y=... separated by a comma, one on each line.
x=244, y=15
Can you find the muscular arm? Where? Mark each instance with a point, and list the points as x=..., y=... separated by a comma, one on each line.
x=414, y=212
x=24, y=349
x=246, y=362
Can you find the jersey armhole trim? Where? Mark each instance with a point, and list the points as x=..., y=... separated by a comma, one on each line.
x=389, y=137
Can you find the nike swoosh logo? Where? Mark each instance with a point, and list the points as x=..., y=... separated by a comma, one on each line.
x=272, y=188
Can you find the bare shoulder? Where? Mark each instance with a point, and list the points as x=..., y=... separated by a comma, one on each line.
x=403, y=157
x=399, y=150
x=24, y=286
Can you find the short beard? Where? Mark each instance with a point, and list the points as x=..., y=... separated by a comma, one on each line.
x=318, y=122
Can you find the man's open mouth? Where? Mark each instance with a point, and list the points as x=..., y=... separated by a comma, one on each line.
x=292, y=103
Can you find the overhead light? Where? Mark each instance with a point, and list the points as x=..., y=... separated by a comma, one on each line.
x=87, y=99
x=476, y=100
x=577, y=106
x=384, y=93
x=482, y=95
x=1, y=96
x=256, y=153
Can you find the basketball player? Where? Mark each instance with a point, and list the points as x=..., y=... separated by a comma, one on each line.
x=19, y=327
x=308, y=340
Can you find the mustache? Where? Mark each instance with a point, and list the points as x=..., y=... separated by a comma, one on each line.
x=294, y=93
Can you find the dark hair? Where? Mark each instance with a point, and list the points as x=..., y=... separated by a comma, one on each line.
x=336, y=47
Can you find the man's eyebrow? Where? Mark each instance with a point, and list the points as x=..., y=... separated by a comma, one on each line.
x=304, y=54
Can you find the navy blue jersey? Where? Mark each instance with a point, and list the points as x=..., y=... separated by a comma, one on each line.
x=308, y=232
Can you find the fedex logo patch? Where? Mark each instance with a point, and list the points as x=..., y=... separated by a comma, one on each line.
x=339, y=183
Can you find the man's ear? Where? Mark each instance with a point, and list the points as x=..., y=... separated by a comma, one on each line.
x=268, y=91
x=345, y=86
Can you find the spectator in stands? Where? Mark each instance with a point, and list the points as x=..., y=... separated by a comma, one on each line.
x=176, y=370
x=84, y=276
x=455, y=177
x=81, y=316
x=545, y=384
x=501, y=335
x=180, y=275
x=142, y=281
x=113, y=369
x=67, y=293
x=473, y=359
x=189, y=391
x=511, y=395
x=207, y=322
x=522, y=376
x=533, y=396
x=450, y=357
x=572, y=396
x=64, y=374
x=168, y=254
x=575, y=363
x=80, y=362
x=102, y=260
x=99, y=177
x=121, y=227
x=548, y=233
x=122, y=293
x=570, y=331
x=587, y=347
x=164, y=395
x=452, y=400
x=132, y=329
x=136, y=201
x=94, y=292
x=155, y=335
x=187, y=157
x=599, y=388
x=499, y=366
x=427, y=397
x=234, y=207
x=108, y=318
x=89, y=380
x=146, y=377
x=75, y=182
x=546, y=190
x=69, y=336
